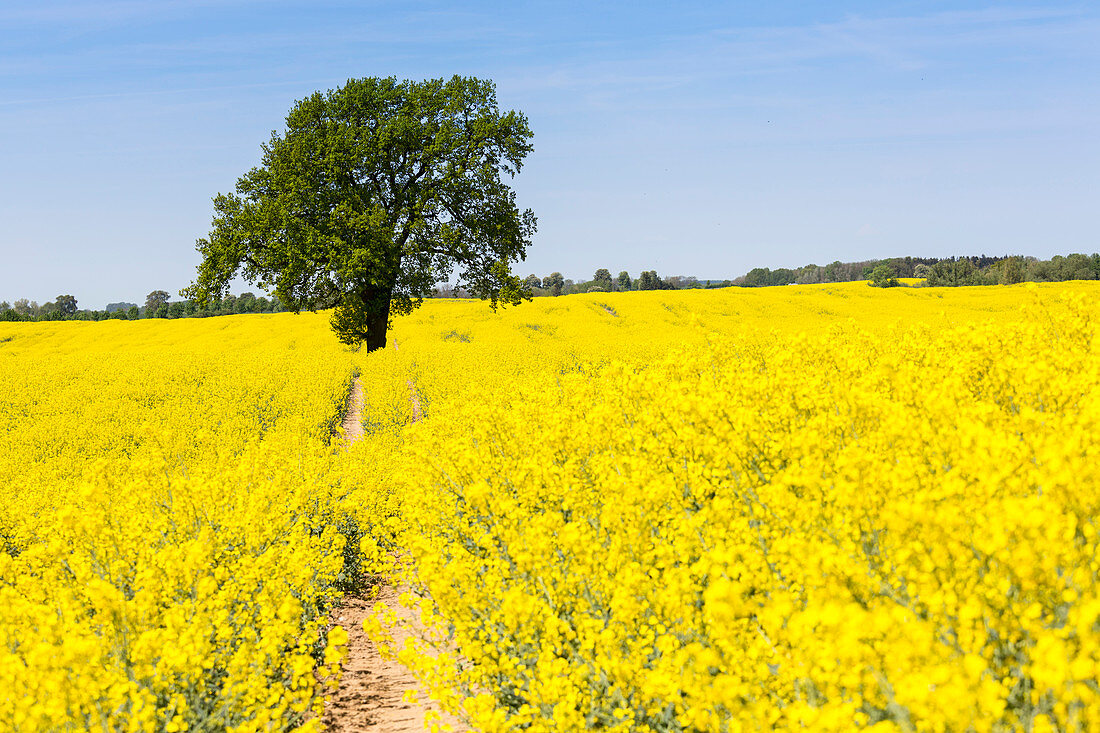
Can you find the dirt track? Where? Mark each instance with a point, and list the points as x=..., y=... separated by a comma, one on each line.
x=371, y=694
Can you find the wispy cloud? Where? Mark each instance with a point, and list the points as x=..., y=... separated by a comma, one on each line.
x=200, y=90
x=949, y=76
x=410, y=35
x=890, y=43
x=68, y=13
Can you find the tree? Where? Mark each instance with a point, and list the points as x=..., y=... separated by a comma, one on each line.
x=375, y=192
x=1012, y=270
x=953, y=273
x=1076, y=266
x=623, y=280
x=883, y=277
x=153, y=302
x=532, y=281
x=757, y=277
x=554, y=282
x=602, y=279
x=66, y=304
x=647, y=280
x=682, y=282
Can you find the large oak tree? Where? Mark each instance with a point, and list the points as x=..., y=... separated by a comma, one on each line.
x=374, y=193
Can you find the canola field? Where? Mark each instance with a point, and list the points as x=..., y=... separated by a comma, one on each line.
x=819, y=507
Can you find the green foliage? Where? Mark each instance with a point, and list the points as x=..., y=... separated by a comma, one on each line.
x=375, y=192
x=884, y=276
x=1012, y=270
x=154, y=301
x=941, y=272
x=349, y=321
x=554, y=282
x=66, y=305
x=554, y=278
x=602, y=279
x=763, y=277
x=352, y=578
x=455, y=335
x=954, y=273
x=648, y=280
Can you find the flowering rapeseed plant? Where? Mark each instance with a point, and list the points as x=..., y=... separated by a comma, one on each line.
x=825, y=507
x=864, y=523
x=163, y=486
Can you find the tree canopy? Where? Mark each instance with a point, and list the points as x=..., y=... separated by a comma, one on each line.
x=375, y=192
x=154, y=301
x=883, y=276
x=602, y=279
x=66, y=304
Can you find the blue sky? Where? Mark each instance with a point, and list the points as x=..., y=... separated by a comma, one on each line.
x=695, y=138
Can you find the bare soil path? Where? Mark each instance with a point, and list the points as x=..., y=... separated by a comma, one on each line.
x=372, y=688
x=353, y=416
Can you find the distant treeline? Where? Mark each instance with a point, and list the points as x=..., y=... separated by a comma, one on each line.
x=157, y=305
x=951, y=271
x=601, y=282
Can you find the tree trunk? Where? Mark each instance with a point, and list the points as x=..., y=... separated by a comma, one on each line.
x=378, y=322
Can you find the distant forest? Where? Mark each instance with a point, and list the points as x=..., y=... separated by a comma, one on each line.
x=602, y=282
x=157, y=305
x=936, y=272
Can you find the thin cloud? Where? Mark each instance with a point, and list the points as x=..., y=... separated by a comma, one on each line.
x=70, y=13
x=159, y=92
